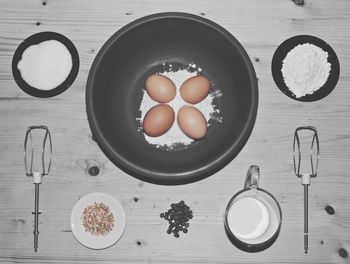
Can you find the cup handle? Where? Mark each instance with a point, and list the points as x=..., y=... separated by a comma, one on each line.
x=252, y=178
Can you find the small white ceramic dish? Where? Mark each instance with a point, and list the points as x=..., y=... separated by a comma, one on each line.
x=86, y=238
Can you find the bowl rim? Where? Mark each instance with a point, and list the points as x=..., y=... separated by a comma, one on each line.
x=181, y=177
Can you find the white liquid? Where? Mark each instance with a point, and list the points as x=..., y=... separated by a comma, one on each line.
x=248, y=218
x=258, y=232
x=46, y=65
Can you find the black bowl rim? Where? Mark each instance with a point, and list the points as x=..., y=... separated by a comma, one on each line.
x=36, y=39
x=281, y=52
x=160, y=177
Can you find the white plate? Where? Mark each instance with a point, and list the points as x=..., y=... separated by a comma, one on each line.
x=89, y=240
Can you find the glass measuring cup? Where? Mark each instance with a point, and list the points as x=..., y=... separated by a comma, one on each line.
x=272, y=222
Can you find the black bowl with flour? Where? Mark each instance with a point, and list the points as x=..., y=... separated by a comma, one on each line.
x=282, y=51
x=34, y=40
x=115, y=87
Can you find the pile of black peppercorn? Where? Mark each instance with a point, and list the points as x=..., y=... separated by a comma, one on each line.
x=178, y=216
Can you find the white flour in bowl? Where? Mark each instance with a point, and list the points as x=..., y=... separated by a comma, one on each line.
x=305, y=69
x=175, y=137
x=45, y=65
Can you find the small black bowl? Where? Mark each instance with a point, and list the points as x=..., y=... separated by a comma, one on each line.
x=36, y=39
x=282, y=51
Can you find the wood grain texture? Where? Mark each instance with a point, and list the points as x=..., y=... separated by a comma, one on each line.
x=260, y=26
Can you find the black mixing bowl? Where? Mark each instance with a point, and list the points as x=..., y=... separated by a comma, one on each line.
x=115, y=88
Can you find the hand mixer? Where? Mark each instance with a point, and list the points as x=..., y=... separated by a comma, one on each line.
x=29, y=152
x=305, y=177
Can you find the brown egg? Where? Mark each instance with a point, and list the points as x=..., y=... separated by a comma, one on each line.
x=195, y=89
x=160, y=88
x=158, y=120
x=192, y=122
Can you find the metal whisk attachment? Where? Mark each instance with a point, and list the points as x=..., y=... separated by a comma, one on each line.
x=29, y=152
x=305, y=177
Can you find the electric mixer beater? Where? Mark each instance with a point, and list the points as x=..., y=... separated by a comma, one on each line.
x=29, y=152
x=305, y=177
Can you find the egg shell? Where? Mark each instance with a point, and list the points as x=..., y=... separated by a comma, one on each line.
x=195, y=89
x=160, y=88
x=158, y=120
x=192, y=122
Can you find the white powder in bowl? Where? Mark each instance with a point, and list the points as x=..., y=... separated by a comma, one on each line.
x=305, y=69
x=175, y=137
x=46, y=65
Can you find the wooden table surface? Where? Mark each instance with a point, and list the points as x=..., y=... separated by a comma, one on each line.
x=260, y=26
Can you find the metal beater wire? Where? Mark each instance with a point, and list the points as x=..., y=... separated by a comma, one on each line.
x=296, y=142
x=47, y=135
x=29, y=172
x=28, y=134
x=315, y=138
